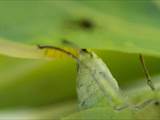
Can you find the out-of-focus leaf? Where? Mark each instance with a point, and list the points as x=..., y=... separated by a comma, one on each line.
x=33, y=52
x=33, y=83
x=125, y=25
x=20, y=50
x=53, y=112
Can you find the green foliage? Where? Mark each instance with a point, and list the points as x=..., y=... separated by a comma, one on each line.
x=127, y=26
x=131, y=25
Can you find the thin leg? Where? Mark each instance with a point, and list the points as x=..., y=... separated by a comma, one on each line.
x=145, y=103
x=149, y=82
x=146, y=72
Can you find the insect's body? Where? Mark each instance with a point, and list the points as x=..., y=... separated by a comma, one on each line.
x=95, y=82
x=96, y=85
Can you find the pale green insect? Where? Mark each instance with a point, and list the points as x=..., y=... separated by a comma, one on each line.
x=95, y=84
x=94, y=80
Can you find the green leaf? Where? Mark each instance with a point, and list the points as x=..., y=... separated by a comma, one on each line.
x=20, y=50
x=34, y=83
x=128, y=26
x=47, y=112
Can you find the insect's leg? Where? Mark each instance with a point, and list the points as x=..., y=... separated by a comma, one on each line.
x=144, y=104
x=138, y=106
x=149, y=82
x=146, y=72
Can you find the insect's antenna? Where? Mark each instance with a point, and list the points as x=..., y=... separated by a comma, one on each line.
x=59, y=49
x=146, y=72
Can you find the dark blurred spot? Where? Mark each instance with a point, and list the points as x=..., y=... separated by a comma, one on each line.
x=84, y=50
x=65, y=41
x=157, y=103
x=83, y=103
x=86, y=24
x=69, y=43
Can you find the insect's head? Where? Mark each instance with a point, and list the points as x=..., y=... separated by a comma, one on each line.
x=86, y=55
x=83, y=53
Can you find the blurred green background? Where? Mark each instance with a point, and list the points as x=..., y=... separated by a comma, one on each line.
x=131, y=25
x=119, y=30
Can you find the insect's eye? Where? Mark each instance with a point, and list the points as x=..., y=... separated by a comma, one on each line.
x=84, y=50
